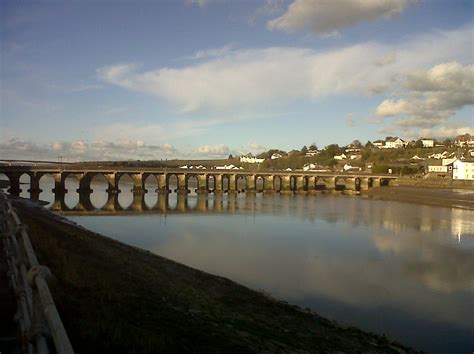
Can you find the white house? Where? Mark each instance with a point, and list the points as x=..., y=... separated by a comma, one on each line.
x=463, y=169
x=347, y=167
x=340, y=157
x=276, y=155
x=312, y=152
x=438, y=168
x=378, y=144
x=427, y=143
x=395, y=143
x=251, y=159
x=228, y=167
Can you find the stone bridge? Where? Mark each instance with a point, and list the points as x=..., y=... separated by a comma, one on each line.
x=205, y=181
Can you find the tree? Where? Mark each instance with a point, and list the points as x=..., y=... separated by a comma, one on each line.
x=313, y=146
x=419, y=143
x=304, y=149
x=230, y=157
x=447, y=142
x=357, y=144
x=369, y=144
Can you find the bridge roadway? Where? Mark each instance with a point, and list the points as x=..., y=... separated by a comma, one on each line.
x=207, y=180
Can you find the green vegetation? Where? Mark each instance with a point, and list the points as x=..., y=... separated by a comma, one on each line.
x=398, y=160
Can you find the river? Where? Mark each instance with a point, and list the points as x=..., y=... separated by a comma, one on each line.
x=393, y=268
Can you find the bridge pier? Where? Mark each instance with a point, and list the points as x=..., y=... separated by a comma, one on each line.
x=232, y=184
x=311, y=184
x=202, y=188
x=202, y=202
x=35, y=190
x=300, y=185
x=112, y=203
x=113, y=182
x=182, y=203
x=218, y=183
x=14, y=178
x=182, y=188
x=375, y=182
x=138, y=183
x=138, y=201
x=250, y=184
x=285, y=187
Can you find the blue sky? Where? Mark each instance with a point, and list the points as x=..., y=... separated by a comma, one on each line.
x=164, y=79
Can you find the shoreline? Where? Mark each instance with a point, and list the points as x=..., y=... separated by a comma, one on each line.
x=433, y=196
x=116, y=298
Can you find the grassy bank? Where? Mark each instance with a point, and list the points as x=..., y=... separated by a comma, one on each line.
x=115, y=298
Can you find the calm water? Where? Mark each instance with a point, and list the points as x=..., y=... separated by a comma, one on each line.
x=400, y=269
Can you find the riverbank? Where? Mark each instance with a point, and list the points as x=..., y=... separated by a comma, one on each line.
x=443, y=197
x=115, y=298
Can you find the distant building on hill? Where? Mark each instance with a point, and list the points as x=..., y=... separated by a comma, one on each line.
x=275, y=156
x=250, y=159
x=427, y=143
x=378, y=144
x=464, y=140
x=395, y=143
x=463, y=169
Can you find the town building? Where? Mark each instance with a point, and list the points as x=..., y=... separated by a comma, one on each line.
x=465, y=140
x=310, y=153
x=275, y=156
x=340, y=157
x=395, y=143
x=427, y=143
x=348, y=168
x=463, y=169
x=250, y=159
x=378, y=144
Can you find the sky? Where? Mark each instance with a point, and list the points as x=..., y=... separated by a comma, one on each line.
x=109, y=80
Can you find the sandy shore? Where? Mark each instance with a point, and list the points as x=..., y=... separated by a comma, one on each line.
x=452, y=198
x=115, y=298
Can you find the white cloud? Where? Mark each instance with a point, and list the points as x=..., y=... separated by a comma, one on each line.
x=445, y=131
x=431, y=96
x=258, y=77
x=219, y=150
x=326, y=17
x=83, y=151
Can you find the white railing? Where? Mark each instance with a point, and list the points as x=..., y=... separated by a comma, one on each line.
x=36, y=315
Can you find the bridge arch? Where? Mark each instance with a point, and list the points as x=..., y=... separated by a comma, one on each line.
x=4, y=182
x=151, y=184
x=192, y=183
x=71, y=184
x=25, y=185
x=277, y=183
x=241, y=183
x=98, y=184
x=293, y=183
x=225, y=182
x=259, y=183
x=211, y=182
x=172, y=183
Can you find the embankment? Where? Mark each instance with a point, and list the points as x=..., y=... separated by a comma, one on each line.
x=443, y=197
x=446, y=183
x=115, y=298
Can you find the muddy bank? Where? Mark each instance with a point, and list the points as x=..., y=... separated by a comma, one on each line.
x=452, y=198
x=115, y=298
